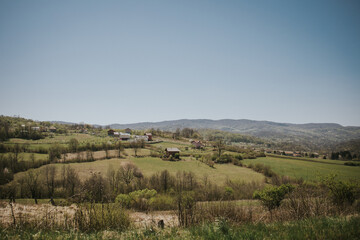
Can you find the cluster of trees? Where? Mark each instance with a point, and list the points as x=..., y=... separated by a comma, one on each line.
x=345, y=155
x=52, y=182
x=4, y=129
x=19, y=132
x=13, y=162
x=48, y=182
x=215, y=135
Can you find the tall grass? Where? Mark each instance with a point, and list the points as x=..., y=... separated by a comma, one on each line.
x=314, y=228
x=95, y=217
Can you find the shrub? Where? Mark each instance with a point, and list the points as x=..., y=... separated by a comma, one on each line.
x=225, y=158
x=341, y=192
x=229, y=193
x=124, y=200
x=139, y=199
x=162, y=202
x=351, y=164
x=236, y=162
x=271, y=196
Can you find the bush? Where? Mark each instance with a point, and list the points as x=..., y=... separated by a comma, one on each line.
x=271, y=196
x=124, y=200
x=162, y=202
x=225, y=158
x=229, y=193
x=341, y=192
x=352, y=164
x=139, y=199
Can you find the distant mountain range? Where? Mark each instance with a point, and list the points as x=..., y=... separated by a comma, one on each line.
x=311, y=134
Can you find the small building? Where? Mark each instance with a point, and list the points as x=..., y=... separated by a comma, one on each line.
x=149, y=136
x=128, y=130
x=289, y=153
x=139, y=138
x=35, y=128
x=124, y=136
x=52, y=129
x=116, y=134
x=171, y=151
x=197, y=144
x=111, y=132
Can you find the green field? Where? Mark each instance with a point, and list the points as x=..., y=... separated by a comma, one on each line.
x=311, y=171
x=81, y=137
x=149, y=166
x=27, y=156
x=62, y=140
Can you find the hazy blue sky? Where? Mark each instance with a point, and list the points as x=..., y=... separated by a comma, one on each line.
x=133, y=61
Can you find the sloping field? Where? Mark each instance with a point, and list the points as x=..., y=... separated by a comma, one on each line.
x=311, y=171
x=149, y=166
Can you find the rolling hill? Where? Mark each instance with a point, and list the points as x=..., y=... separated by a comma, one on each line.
x=310, y=135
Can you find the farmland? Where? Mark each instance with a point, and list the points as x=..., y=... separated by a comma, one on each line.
x=308, y=170
x=150, y=166
x=76, y=174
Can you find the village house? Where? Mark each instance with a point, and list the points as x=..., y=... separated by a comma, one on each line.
x=138, y=138
x=149, y=136
x=52, y=129
x=289, y=153
x=111, y=132
x=124, y=136
x=297, y=154
x=268, y=151
x=35, y=128
x=197, y=144
x=171, y=151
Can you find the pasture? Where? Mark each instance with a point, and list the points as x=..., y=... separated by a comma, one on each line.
x=308, y=170
x=150, y=165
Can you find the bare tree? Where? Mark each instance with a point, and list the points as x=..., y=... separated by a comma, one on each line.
x=120, y=148
x=136, y=145
x=106, y=149
x=73, y=145
x=50, y=174
x=72, y=180
x=32, y=158
x=128, y=172
x=32, y=183
x=96, y=188
x=219, y=145
x=89, y=155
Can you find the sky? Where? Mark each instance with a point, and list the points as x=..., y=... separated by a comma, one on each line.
x=106, y=62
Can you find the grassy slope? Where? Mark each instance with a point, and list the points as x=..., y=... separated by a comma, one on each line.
x=307, y=170
x=149, y=165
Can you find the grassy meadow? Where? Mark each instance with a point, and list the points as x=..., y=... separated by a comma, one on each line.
x=308, y=170
x=149, y=165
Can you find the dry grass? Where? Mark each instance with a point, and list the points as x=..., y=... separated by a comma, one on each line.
x=38, y=216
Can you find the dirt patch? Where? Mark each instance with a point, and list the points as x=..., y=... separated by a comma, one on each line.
x=143, y=220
